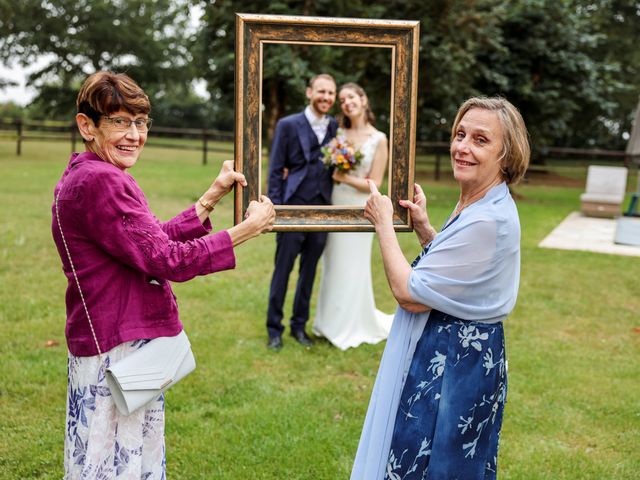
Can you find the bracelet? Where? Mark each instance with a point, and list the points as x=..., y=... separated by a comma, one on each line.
x=208, y=206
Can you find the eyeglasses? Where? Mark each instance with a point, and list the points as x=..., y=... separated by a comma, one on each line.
x=123, y=124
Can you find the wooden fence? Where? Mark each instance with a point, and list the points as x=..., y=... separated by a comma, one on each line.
x=208, y=140
x=440, y=150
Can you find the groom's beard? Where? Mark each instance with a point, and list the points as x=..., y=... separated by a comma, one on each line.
x=321, y=106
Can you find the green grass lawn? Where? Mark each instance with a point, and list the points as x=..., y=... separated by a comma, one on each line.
x=573, y=408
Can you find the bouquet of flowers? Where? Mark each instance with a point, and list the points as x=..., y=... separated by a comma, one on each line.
x=339, y=153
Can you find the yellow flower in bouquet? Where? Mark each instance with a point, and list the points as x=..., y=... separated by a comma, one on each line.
x=339, y=153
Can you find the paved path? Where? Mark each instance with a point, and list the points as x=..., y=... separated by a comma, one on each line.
x=577, y=232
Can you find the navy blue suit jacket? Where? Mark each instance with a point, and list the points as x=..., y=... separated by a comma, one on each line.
x=291, y=149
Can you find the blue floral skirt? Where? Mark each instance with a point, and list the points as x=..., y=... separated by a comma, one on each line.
x=450, y=412
x=101, y=444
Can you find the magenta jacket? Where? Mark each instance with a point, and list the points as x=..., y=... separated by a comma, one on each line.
x=125, y=257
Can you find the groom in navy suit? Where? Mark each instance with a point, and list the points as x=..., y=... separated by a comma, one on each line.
x=297, y=176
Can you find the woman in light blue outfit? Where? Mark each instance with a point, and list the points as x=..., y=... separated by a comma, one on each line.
x=437, y=403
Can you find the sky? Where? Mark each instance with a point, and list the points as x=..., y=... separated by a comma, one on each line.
x=20, y=94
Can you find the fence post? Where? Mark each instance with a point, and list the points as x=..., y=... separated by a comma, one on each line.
x=437, y=173
x=73, y=137
x=204, y=147
x=19, y=141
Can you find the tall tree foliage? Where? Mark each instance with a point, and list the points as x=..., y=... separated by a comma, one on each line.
x=148, y=39
x=554, y=67
x=453, y=35
x=287, y=68
x=546, y=68
x=571, y=66
x=617, y=26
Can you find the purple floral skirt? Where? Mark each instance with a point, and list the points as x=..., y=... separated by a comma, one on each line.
x=99, y=442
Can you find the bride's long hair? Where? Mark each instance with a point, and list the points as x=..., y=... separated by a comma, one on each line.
x=343, y=120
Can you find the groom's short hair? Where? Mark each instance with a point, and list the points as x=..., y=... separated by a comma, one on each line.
x=324, y=76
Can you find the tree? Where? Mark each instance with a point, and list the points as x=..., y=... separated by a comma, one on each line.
x=617, y=24
x=148, y=39
x=551, y=69
x=572, y=67
x=544, y=67
x=454, y=33
x=289, y=67
x=11, y=110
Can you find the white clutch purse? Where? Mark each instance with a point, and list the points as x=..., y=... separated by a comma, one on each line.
x=143, y=375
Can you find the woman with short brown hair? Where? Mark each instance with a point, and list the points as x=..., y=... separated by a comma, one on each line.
x=124, y=259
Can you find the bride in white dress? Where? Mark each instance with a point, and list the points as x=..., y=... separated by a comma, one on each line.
x=345, y=312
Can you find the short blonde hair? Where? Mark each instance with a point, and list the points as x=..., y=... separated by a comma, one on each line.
x=104, y=93
x=516, y=151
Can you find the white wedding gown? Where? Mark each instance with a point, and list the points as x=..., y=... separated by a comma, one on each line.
x=345, y=312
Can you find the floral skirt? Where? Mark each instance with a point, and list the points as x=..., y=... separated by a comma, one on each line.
x=99, y=442
x=450, y=413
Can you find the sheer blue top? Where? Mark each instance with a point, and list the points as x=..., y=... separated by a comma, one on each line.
x=471, y=270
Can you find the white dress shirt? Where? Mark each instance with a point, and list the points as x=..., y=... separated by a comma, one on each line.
x=318, y=124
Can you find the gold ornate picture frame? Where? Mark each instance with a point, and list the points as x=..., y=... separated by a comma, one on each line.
x=401, y=37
